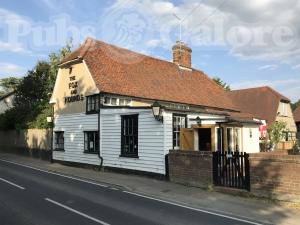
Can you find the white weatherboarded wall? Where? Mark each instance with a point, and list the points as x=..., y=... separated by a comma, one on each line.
x=74, y=126
x=150, y=141
x=168, y=131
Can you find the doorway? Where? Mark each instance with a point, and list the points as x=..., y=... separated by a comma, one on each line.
x=204, y=137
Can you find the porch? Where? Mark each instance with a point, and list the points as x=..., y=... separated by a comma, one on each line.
x=218, y=137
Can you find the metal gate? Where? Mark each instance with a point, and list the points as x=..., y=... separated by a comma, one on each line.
x=231, y=169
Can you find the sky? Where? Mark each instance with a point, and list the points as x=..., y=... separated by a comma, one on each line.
x=245, y=43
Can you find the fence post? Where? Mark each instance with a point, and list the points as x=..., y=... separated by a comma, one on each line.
x=247, y=172
x=215, y=168
x=167, y=166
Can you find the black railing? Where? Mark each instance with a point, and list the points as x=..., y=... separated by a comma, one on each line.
x=231, y=169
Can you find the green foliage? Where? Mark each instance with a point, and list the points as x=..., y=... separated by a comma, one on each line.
x=55, y=58
x=221, y=83
x=34, y=87
x=9, y=84
x=22, y=117
x=31, y=103
x=39, y=120
x=296, y=147
x=295, y=105
x=276, y=132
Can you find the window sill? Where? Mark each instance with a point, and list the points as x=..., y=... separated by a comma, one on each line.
x=93, y=153
x=129, y=156
x=59, y=149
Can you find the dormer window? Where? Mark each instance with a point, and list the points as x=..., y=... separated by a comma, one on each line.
x=92, y=104
x=114, y=101
x=283, y=109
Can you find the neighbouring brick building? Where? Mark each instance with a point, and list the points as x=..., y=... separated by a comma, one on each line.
x=269, y=106
x=297, y=120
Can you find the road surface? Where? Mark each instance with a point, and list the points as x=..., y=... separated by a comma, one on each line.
x=30, y=196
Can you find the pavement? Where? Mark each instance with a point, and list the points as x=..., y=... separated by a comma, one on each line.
x=71, y=195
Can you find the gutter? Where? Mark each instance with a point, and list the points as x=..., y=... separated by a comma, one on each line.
x=70, y=61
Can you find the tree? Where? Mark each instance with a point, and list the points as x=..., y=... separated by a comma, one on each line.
x=54, y=60
x=221, y=83
x=34, y=87
x=9, y=84
x=276, y=132
x=31, y=104
x=295, y=105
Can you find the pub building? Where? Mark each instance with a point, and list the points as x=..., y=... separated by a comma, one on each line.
x=121, y=109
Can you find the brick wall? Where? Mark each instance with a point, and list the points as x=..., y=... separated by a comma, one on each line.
x=191, y=167
x=275, y=175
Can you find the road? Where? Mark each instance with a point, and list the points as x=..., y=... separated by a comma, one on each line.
x=31, y=196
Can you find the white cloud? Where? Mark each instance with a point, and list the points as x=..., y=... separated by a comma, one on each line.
x=268, y=67
x=296, y=67
x=154, y=43
x=9, y=47
x=257, y=29
x=10, y=69
x=7, y=15
x=11, y=19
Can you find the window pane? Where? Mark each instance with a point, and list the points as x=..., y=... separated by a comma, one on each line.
x=129, y=145
x=127, y=102
x=113, y=101
x=178, y=123
x=91, y=141
x=121, y=102
x=59, y=140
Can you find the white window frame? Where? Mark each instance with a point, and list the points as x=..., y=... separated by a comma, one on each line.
x=129, y=101
x=182, y=121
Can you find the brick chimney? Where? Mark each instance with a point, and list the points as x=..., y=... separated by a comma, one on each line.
x=182, y=55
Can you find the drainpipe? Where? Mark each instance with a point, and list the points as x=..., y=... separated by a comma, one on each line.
x=99, y=132
x=52, y=131
x=52, y=138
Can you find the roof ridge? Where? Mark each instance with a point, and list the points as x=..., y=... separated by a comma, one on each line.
x=154, y=58
x=278, y=94
x=273, y=91
x=250, y=88
x=142, y=54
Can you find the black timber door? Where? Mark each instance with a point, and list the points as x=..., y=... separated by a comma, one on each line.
x=231, y=169
x=204, y=137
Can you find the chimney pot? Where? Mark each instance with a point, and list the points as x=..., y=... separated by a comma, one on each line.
x=182, y=54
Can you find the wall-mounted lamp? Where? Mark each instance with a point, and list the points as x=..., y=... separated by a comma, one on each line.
x=198, y=120
x=157, y=111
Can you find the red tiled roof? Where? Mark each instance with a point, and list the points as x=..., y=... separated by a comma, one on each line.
x=124, y=72
x=261, y=102
x=297, y=114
